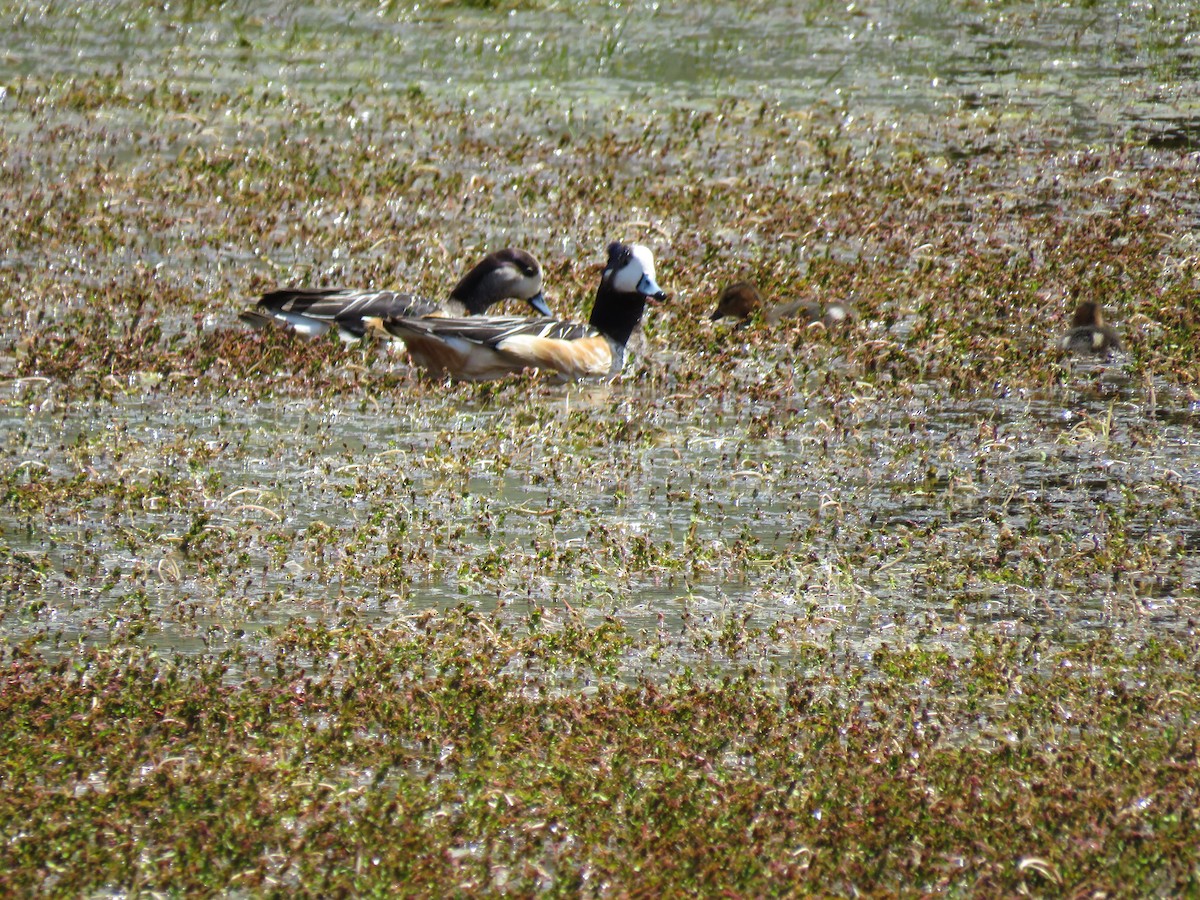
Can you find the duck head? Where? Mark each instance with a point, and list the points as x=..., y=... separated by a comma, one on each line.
x=503, y=275
x=1087, y=314
x=626, y=284
x=630, y=270
x=738, y=301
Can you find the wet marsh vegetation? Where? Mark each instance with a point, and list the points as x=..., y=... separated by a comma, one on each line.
x=903, y=606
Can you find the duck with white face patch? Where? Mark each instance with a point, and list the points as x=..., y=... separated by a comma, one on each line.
x=507, y=274
x=488, y=347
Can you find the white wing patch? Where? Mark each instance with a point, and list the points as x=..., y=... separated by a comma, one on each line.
x=305, y=326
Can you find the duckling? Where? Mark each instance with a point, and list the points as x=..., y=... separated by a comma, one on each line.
x=741, y=300
x=1089, y=333
x=488, y=347
x=312, y=312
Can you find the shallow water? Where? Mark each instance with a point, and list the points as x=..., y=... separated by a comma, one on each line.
x=855, y=522
x=854, y=536
x=1099, y=69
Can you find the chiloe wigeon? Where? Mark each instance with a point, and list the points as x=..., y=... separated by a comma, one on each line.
x=488, y=347
x=503, y=275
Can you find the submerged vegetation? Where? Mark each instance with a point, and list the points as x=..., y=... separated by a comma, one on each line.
x=903, y=606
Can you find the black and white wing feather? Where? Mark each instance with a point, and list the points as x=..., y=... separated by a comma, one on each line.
x=489, y=331
x=314, y=311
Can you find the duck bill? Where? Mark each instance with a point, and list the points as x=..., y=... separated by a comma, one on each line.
x=538, y=302
x=649, y=289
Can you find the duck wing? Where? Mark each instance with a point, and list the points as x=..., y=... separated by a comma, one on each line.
x=314, y=310
x=504, y=344
x=491, y=331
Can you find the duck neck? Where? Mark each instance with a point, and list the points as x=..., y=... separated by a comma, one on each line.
x=617, y=315
x=475, y=292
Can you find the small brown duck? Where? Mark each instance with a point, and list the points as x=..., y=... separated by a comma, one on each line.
x=741, y=300
x=1089, y=333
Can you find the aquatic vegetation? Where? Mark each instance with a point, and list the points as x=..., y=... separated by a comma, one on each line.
x=904, y=606
x=456, y=750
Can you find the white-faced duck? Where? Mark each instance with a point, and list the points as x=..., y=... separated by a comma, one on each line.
x=488, y=347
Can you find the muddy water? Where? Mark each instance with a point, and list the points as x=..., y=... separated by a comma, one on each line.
x=889, y=521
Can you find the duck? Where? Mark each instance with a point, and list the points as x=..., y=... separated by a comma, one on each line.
x=484, y=348
x=312, y=312
x=1089, y=333
x=741, y=300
